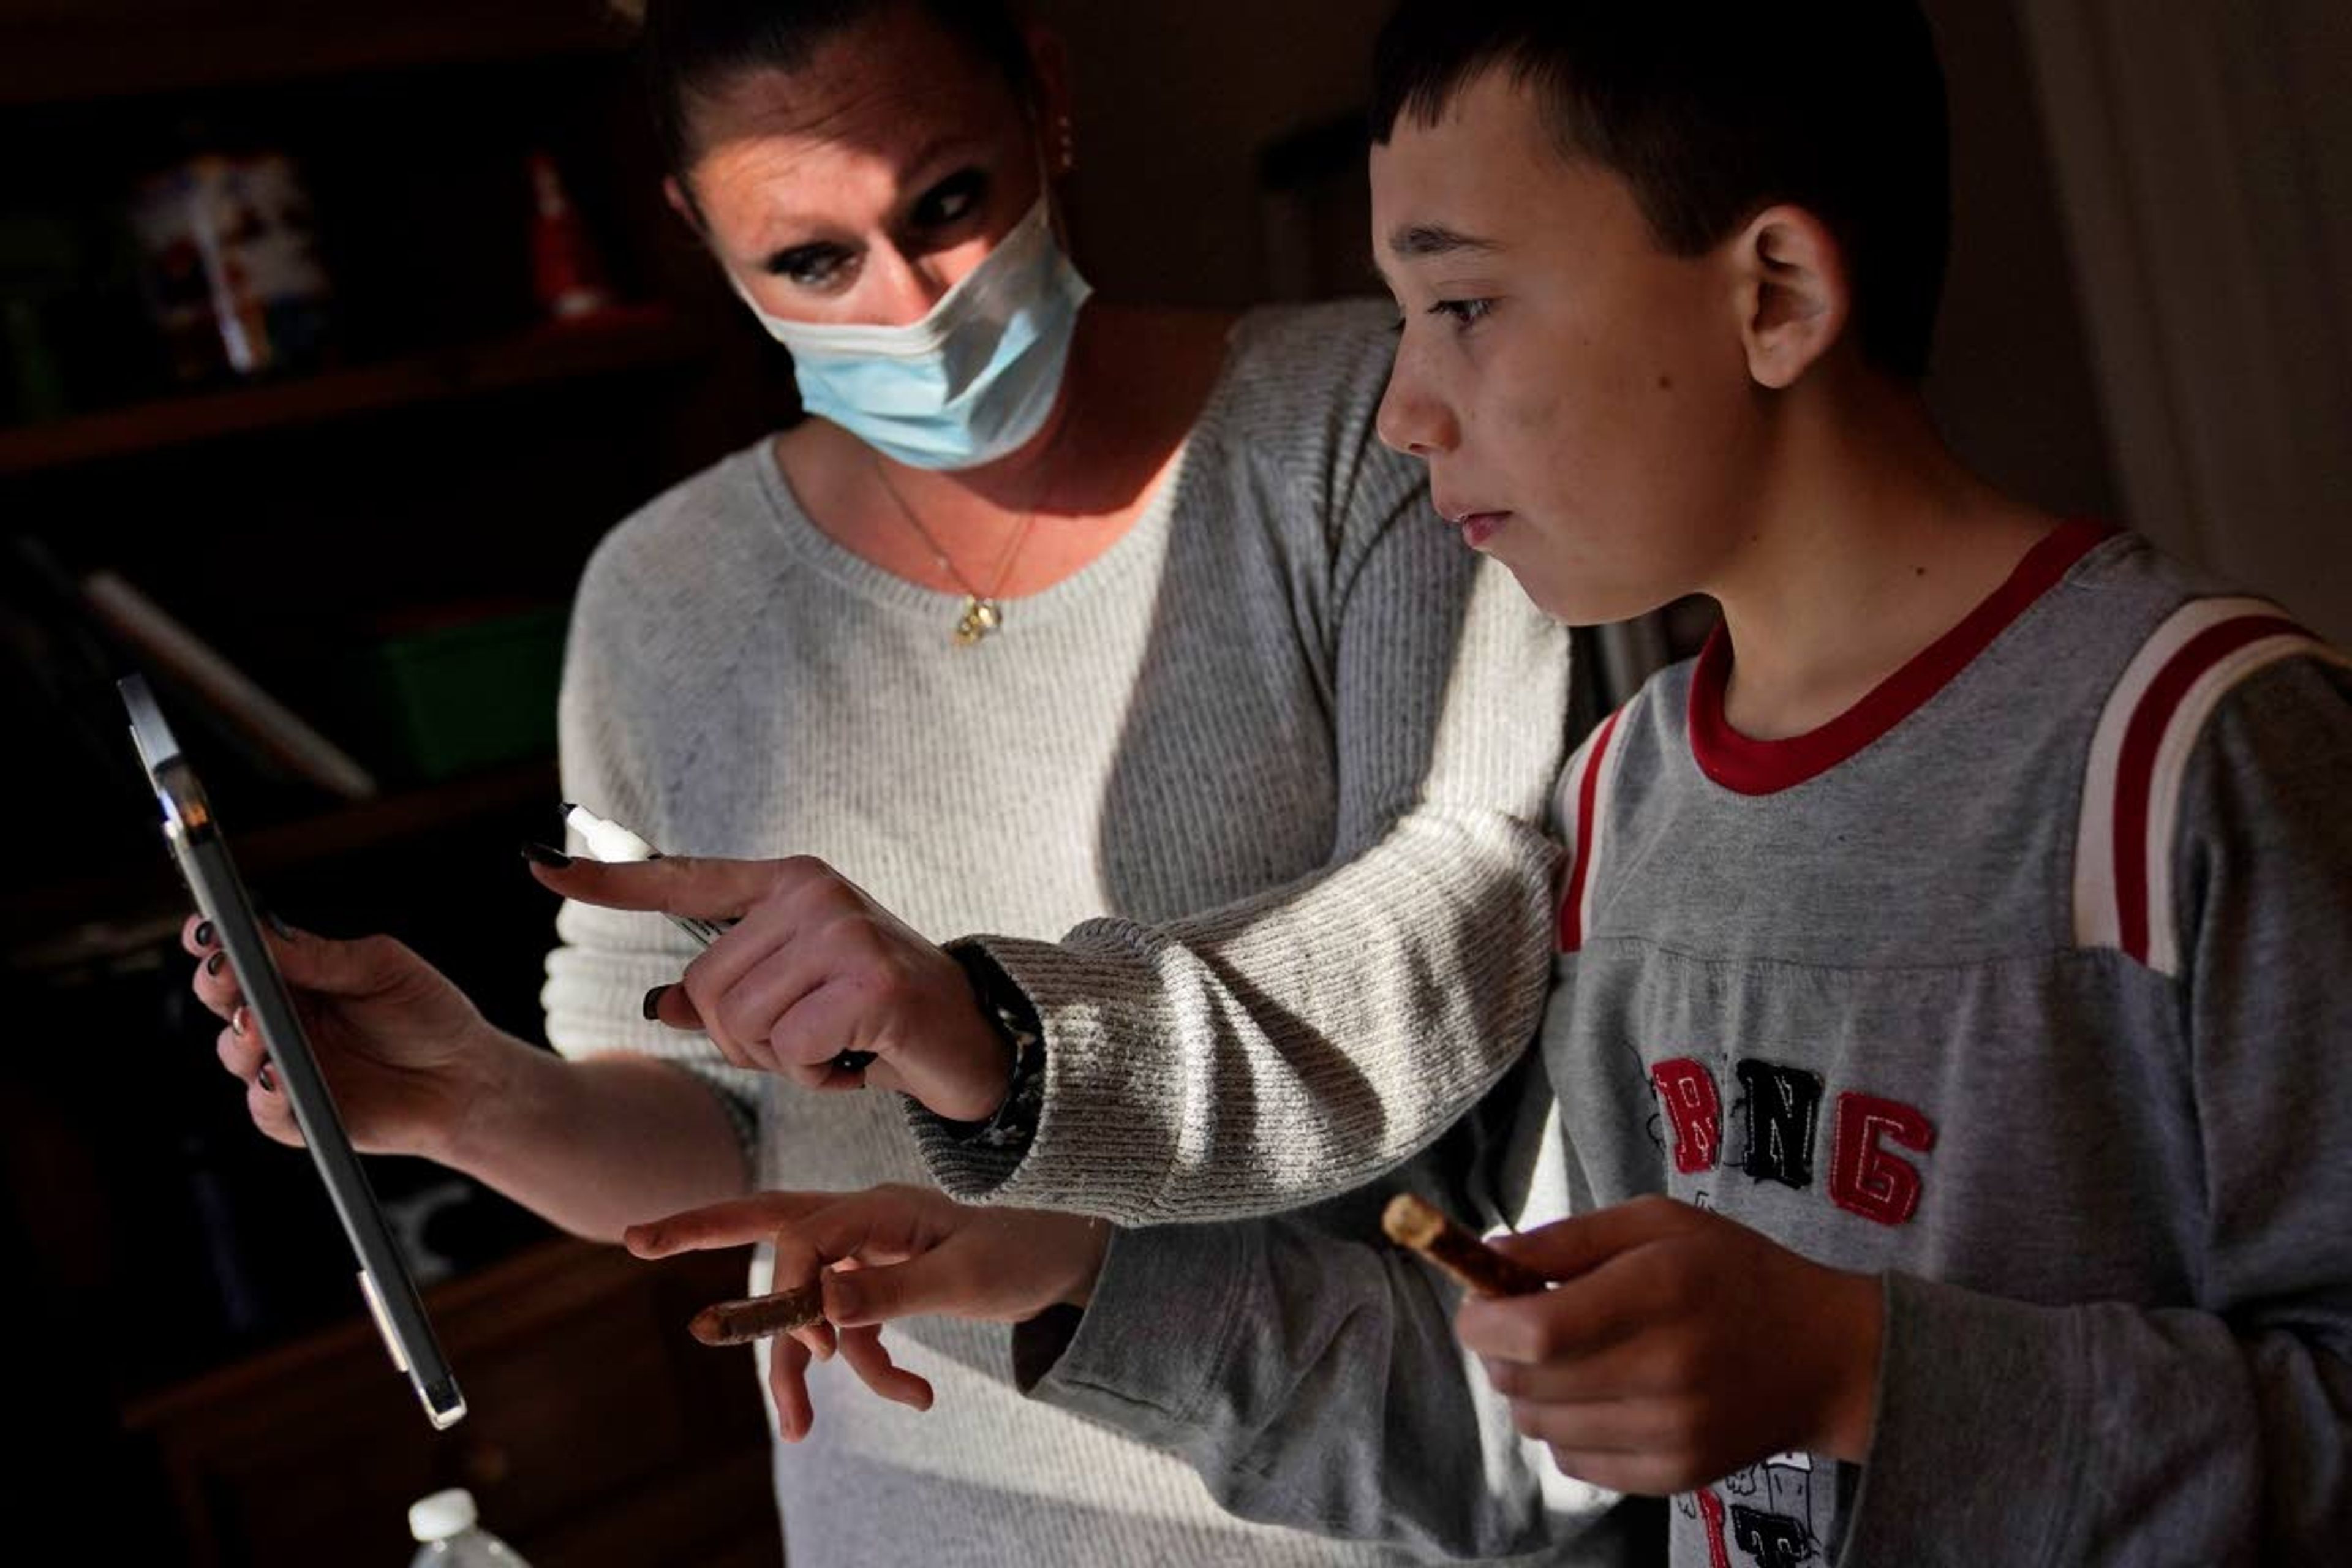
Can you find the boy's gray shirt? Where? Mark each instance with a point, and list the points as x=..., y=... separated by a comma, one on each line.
x=2025, y=990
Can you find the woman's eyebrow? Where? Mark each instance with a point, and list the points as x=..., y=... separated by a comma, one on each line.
x=931, y=155
x=935, y=152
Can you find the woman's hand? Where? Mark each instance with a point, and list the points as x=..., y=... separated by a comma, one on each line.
x=888, y=1253
x=402, y=1048
x=1679, y=1347
x=813, y=968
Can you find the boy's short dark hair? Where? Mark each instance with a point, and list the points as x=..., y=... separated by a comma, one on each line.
x=1713, y=111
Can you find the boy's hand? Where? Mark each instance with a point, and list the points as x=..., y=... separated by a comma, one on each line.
x=813, y=969
x=1678, y=1348
x=886, y=1253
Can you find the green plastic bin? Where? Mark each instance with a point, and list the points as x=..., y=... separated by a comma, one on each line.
x=461, y=698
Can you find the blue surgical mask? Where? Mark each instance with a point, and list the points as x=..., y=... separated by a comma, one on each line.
x=971, y=381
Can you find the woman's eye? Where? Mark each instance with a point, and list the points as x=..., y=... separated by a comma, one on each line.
x=952, y=200
x=811, y=266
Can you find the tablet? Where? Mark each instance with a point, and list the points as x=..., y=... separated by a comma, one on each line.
x=202, y=856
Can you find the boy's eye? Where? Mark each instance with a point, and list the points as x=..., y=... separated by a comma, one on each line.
x=813, y=266
x=1465, y=313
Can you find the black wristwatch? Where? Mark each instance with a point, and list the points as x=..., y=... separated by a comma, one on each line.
x=1013, y=1016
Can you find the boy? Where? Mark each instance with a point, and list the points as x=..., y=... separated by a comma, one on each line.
x=1946, y=1026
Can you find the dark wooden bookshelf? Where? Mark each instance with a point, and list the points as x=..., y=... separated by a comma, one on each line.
x=44, y=925
x=455, y=458
x=55, y=51
x=629, y=338
x=569, y=1355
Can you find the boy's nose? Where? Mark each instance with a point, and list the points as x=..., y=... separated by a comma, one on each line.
x=1411, y=421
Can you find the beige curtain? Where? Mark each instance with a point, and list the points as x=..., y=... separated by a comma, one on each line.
x=2203, y=150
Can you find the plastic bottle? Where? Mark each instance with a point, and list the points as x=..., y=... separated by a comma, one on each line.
x=446, y=1524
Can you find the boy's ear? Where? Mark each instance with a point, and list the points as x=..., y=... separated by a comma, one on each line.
x=1794, y=295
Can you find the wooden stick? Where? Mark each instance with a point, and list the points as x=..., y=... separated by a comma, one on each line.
x=741, y=1323
x=1480, y=1269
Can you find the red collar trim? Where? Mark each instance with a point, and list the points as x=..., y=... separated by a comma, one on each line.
x=1762, y=767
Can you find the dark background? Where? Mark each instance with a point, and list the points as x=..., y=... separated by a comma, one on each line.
x=175, y=1284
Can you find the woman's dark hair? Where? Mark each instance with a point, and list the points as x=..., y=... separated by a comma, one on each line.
x=1713, y=110
x=694, y=48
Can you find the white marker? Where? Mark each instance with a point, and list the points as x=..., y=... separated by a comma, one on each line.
x=610, y=842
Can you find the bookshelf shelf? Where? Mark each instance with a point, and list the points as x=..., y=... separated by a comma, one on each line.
x=372, y=824
x=633, y=337
x=58, y=50
x=64, y=921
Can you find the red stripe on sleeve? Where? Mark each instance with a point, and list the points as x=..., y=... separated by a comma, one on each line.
x=1571, y=903
x=2135, y=764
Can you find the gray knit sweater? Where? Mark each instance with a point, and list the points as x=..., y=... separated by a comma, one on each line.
x=1287, y=694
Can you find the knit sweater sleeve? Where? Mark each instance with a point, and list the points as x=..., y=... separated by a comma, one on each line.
x=606, y=960
x=1314, y=1380
x=1295, y=1045
x=2077, y=1426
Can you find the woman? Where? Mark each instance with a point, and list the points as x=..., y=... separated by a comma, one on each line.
x=1054, y=610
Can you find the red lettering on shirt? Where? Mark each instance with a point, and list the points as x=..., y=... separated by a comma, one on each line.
x=1688, y=1092
x=1864, y=1179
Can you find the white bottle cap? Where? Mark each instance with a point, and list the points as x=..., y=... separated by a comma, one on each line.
x=442, y=1515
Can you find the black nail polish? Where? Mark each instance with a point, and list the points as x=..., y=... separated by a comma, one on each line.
x=541, y=855
x=269, y=918
x=205, y=933
x=214, y=964
x=653, y=1002
x=268, y=1080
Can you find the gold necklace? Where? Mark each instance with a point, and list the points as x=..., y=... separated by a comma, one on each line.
x=982, y=612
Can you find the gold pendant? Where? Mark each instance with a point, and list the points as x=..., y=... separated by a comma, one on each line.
x=980, y=618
